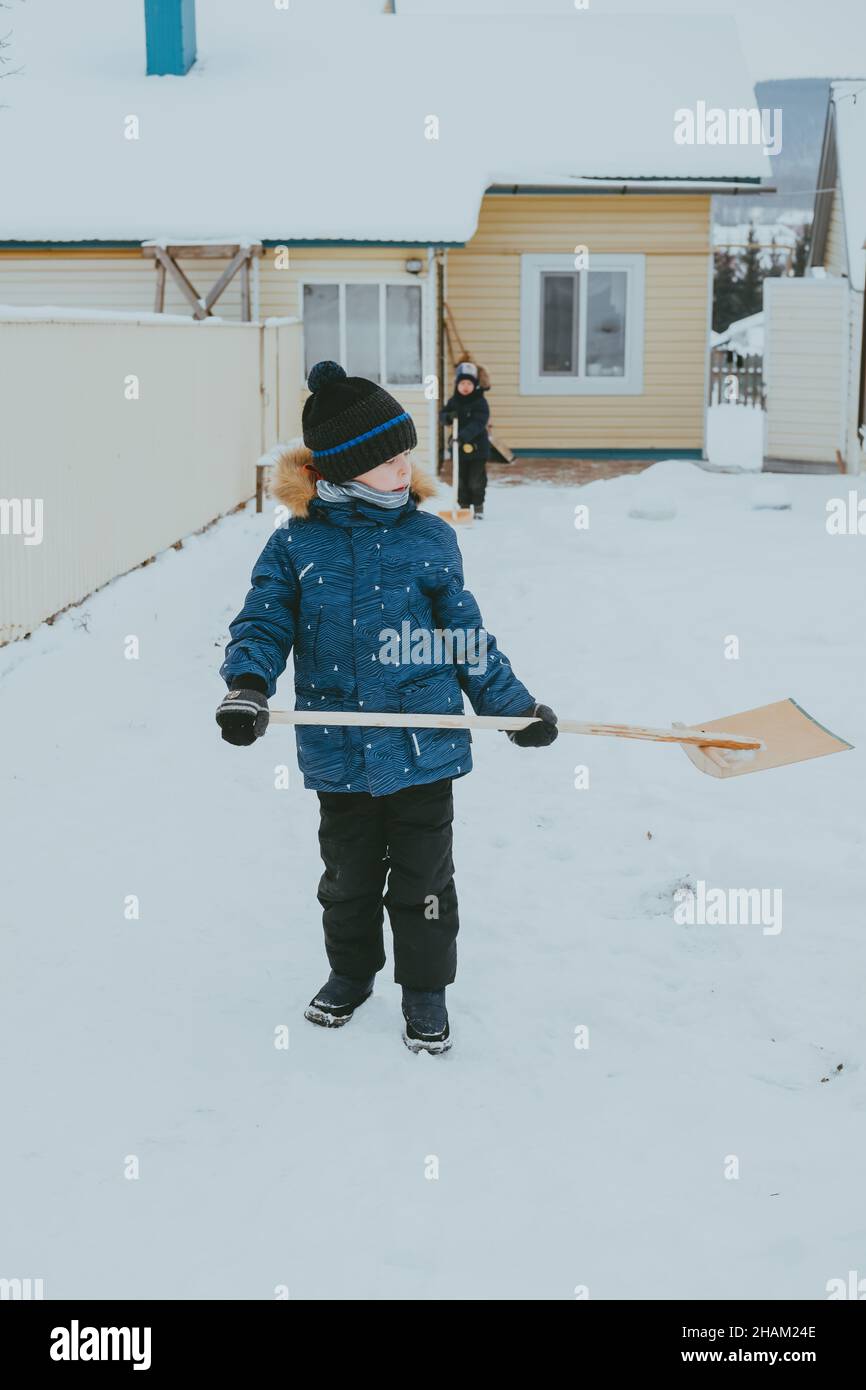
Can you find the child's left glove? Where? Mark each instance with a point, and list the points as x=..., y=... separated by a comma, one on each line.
x=243, y=713
x=539, y=734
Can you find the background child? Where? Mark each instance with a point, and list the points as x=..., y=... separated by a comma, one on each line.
x=358, y=561
x=470, y=409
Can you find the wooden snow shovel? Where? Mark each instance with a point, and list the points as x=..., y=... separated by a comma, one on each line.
x=458, y=516
x=788, y=734
x=753, y=741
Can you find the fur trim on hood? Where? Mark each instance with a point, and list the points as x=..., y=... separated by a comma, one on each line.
x=294, y=485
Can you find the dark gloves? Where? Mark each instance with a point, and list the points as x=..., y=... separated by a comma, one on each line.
x=243, y=713
x=539, y=734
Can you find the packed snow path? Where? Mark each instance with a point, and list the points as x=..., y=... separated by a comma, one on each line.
x=559, y=1167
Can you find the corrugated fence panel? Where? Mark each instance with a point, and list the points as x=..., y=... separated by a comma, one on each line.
x=120, y=476
x=806, y=368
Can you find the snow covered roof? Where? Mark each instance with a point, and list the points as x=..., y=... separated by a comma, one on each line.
x=290, y=128
x=743, y=335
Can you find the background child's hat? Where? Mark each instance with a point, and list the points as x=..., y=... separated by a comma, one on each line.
x=351, y=425
x=467, y=368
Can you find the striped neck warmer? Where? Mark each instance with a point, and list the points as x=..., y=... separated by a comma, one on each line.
x=339, y=492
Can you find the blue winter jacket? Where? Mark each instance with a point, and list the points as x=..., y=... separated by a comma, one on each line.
x=356, y=592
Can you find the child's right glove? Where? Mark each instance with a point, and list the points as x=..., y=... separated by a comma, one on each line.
x=243, y=713
x=539, y=734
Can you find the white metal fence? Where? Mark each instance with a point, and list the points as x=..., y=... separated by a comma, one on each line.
x=119, y=436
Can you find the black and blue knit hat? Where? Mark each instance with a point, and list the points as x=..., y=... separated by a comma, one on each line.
x=351, y=425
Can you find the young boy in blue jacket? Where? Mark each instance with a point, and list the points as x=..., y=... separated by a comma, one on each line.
x=357, y=585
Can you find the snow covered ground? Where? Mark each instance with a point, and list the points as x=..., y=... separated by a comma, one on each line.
x=735, y=436
x=558, y=1167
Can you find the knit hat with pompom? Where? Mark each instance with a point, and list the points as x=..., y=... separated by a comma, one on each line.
x=351, y=425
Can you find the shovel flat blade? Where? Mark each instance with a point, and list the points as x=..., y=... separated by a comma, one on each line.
x=788, y=732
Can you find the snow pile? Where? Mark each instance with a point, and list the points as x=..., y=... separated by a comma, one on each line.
x=558, y=1164
x=771, y=493
x=735, y=437
x=648, y=500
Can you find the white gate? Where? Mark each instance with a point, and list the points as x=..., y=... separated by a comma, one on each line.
x=806, y=369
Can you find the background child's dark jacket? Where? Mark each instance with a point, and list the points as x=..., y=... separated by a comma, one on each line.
x=326, y=586
x=472, y=414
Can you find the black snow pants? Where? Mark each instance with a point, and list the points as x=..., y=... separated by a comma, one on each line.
x=405, y=837
x=471, y=480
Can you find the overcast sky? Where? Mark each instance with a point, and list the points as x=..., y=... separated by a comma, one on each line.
x=780, y=38
x=784, y=38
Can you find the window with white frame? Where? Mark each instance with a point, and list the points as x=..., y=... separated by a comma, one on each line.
x=581, y=330
x=373, y=329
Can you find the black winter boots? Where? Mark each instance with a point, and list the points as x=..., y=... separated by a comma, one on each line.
x=426, y=1017
x=426, y=1020
x=337, y=1000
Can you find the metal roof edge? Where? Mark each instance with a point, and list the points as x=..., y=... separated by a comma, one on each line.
x=112, y=243
x=638, y=185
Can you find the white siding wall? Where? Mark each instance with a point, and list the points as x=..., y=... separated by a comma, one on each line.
x=806, y=364
x=121, y=479
x=835, y=252
x=855, y=454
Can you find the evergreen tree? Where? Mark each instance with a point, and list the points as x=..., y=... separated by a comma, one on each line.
x=725, y=289
x=778, y=261
x=752, y=278
x=801, y=250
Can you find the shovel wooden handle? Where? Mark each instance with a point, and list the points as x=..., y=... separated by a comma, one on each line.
x=707, y=739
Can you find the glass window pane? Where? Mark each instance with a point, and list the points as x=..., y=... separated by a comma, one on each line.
x=321, y=324
x=605, y=323
x=559, y=301
x=403, y=334
x=362, y=331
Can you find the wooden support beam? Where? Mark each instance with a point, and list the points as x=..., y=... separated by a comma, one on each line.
x=187, y=289
x=245, y=291
x=166, y=261
x=159, y=302
x=213, y=294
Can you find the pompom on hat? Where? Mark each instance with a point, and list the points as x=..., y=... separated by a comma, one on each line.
x=351, y=425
